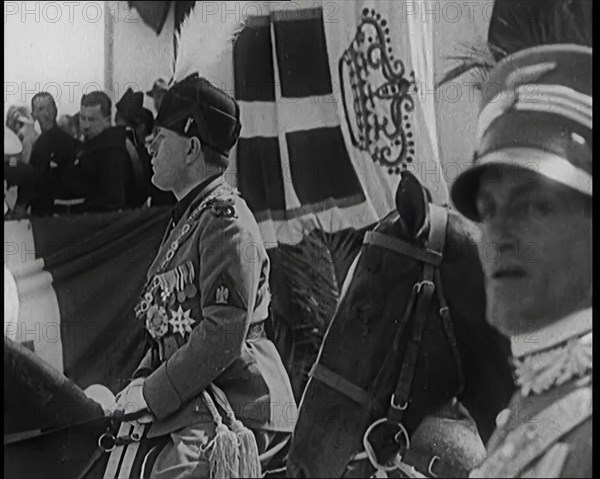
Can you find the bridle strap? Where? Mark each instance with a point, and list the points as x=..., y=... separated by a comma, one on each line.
x=438, y=217
x=449, y=328
x=340, y=384
x=432, y=465
x=426, y=256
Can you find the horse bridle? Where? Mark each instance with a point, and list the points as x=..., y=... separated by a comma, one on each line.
x=418, y=306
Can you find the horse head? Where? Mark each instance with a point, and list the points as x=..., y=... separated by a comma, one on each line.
x=38, y=396
x=367, y=344
x=51, y=427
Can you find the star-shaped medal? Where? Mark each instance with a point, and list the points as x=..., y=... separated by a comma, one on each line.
x=181, y=321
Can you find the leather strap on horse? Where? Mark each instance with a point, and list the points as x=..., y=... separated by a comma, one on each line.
x=426, y=256
x=431, y=465
x=34, y=433
x=340, y=384
x=449, y=328
x=436, y=241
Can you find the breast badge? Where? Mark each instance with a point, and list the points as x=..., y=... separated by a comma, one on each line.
x=181, y=321
x=157, y=322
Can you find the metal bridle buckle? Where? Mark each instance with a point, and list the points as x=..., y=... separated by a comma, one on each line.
x=397, y=407
x=426, y=282
x=369, y=449
x=404, y=433
x=111, y=438
x=430, y=467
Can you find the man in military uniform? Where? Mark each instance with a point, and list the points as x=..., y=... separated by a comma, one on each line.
x=207, y=295
x=530, y=189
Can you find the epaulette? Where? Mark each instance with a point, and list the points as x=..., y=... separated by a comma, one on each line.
x=221, y=203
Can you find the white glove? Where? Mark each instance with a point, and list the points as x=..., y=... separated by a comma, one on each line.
x=132, y=400
x=133, y=383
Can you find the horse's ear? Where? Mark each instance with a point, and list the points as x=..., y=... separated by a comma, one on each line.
x=412, y=204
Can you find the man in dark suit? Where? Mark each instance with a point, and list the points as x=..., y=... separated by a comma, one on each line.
x=52, y=153
x=207, y=295
x=101, y=177
x=530, y=189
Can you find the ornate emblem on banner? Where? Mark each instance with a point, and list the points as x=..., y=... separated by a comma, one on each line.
x=376, y=95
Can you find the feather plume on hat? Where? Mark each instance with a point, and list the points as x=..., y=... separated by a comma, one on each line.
x=516, y=25
x=203, y=40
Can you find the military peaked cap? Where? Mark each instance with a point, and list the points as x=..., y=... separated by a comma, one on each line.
x=536, y=114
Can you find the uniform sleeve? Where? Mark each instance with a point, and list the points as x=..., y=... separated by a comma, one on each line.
x=228, y=277
x=145, y=366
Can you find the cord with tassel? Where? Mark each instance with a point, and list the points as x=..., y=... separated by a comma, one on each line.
x=249, y=463
x=224, y=457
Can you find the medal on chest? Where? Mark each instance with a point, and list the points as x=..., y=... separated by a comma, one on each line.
x=161, y=307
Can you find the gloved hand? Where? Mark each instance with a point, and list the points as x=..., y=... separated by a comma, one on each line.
x=133, y=383
x=103, y=396
x=132, y=400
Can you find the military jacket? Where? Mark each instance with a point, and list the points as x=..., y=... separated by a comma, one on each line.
x=547, y=429
x=204, y=305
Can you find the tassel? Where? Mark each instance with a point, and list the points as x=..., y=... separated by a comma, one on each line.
x=249, y=461
x=224, y=457
x=249, y=455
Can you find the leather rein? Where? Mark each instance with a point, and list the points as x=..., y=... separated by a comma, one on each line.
x=106, y=442
x=418, y=307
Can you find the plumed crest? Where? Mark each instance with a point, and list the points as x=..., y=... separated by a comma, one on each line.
x=520, y=24
x=203, y=39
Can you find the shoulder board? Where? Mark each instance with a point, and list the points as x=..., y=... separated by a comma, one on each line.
x=530, y=440
x=221, y=203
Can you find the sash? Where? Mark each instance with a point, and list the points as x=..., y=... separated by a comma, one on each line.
x=530, y=440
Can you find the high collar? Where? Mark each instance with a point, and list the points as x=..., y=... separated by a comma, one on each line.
x=198, y=193
x=574, y=325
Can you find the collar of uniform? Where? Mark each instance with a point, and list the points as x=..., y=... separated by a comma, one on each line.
x=198, y=193
x=576, y=324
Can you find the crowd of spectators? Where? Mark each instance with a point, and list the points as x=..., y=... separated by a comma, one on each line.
x=84, y=163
